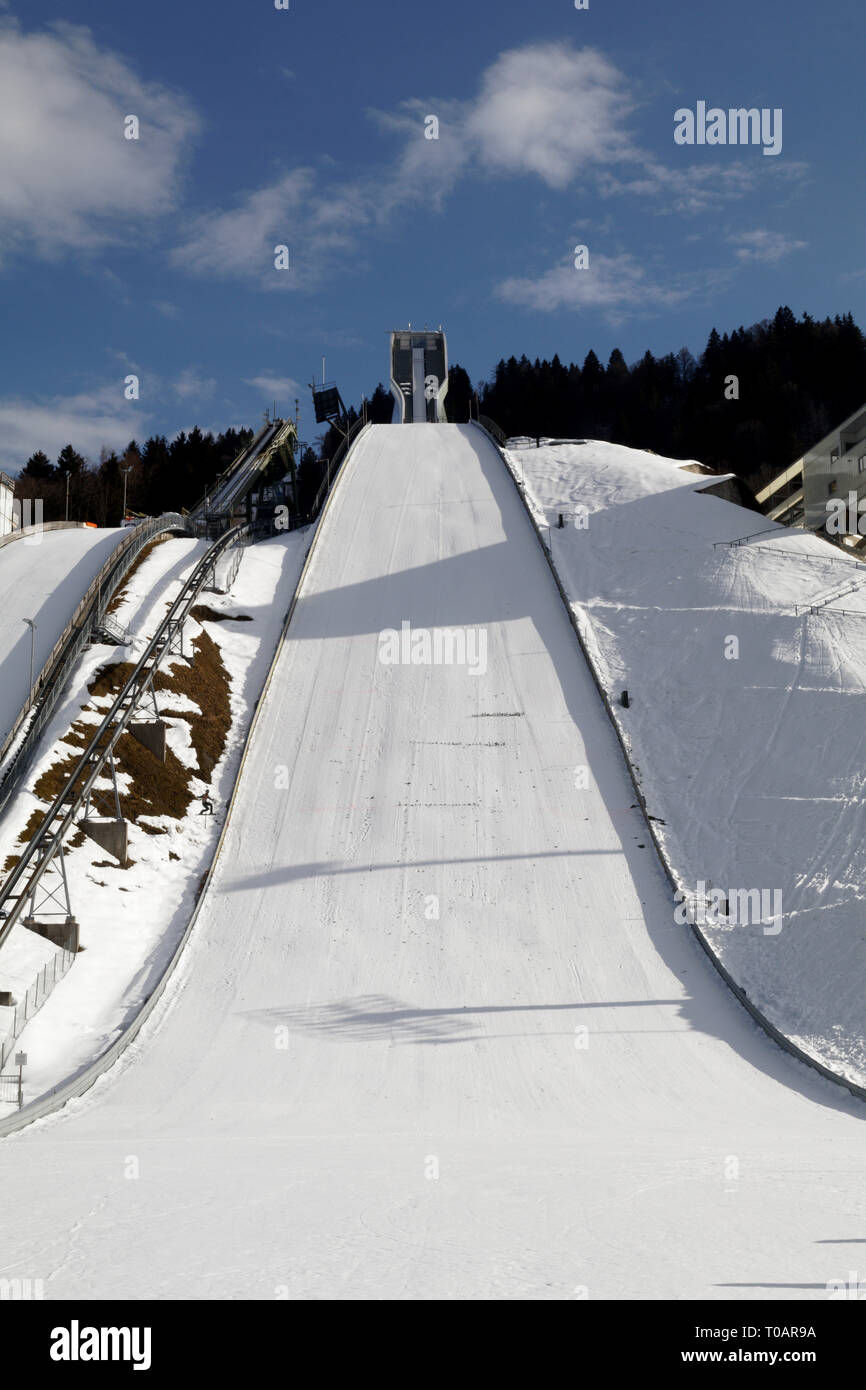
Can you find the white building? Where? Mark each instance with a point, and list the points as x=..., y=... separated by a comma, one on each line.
x=7, y=493
x=834, y=468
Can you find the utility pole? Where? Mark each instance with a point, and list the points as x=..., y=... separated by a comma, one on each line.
x=68, y=476
x=32, y=626
x=124, y=471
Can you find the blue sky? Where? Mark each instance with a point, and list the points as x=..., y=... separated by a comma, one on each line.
x=306, y=127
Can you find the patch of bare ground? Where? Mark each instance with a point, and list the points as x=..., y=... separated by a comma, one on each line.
x=205, y=681
x=152, y=788
x=203, y=613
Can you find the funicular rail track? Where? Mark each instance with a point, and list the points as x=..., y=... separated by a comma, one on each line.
x=45, y=849
x=90, y=612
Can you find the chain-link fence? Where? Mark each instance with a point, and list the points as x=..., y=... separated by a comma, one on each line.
x=33, y=1000
x=10, y=1090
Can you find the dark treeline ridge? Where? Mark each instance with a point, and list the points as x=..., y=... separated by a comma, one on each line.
x=797, y=379
x=165, y=475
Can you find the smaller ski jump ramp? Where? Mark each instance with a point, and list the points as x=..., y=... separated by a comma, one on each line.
x=43, y=577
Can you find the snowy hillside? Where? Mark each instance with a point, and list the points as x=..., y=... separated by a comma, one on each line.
x=751, y=752
x=435, y=1033
x=43, y=577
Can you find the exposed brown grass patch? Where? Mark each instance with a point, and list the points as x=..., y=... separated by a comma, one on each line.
x=205, y=681
x=34, y=821
x=110, y=680
x=155, y=788
x=204, y=613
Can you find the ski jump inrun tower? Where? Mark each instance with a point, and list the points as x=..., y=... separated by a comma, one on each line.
x=419, y=375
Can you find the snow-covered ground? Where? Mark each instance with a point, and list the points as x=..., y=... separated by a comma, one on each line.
x=436, y=1032
x=749, y=750
x=44, y=577
x=131, y=919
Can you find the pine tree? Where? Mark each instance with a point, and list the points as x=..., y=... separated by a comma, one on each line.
x=459, y=397
x=38, y=466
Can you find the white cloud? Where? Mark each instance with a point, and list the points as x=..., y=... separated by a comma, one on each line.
x=547, y=109
x=242, y=239
x=697, y=188
x=318, y=226
x=761, y=245
x=274, y=387
x=424, y=170
x=608, y=283
x=88, y=421
x=191, y=383
x=68, y=178
x=550, y=110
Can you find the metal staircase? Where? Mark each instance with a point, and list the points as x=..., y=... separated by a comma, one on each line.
x=108, y=630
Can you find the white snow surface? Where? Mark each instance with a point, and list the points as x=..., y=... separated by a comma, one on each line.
x=436, y=1033
x=755, y=764
x=45, y=578
x=131, y=919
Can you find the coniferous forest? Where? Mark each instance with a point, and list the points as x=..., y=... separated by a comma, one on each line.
x=793, y=380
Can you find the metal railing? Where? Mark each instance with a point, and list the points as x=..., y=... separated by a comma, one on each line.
x=49, y=684
x=11, y=1090
x=492, y=428
x=23, y=533
x=33, y=1000
x=335, y=464
x=110, y=628
x=46, y=844
x=767, y=530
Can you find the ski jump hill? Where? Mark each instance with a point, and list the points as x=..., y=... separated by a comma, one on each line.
x=43, y=576
x=436, y=1032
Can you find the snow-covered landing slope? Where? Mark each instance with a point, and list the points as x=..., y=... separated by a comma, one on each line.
x=750, y=752
x=436, y=1033
x=44, y=578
